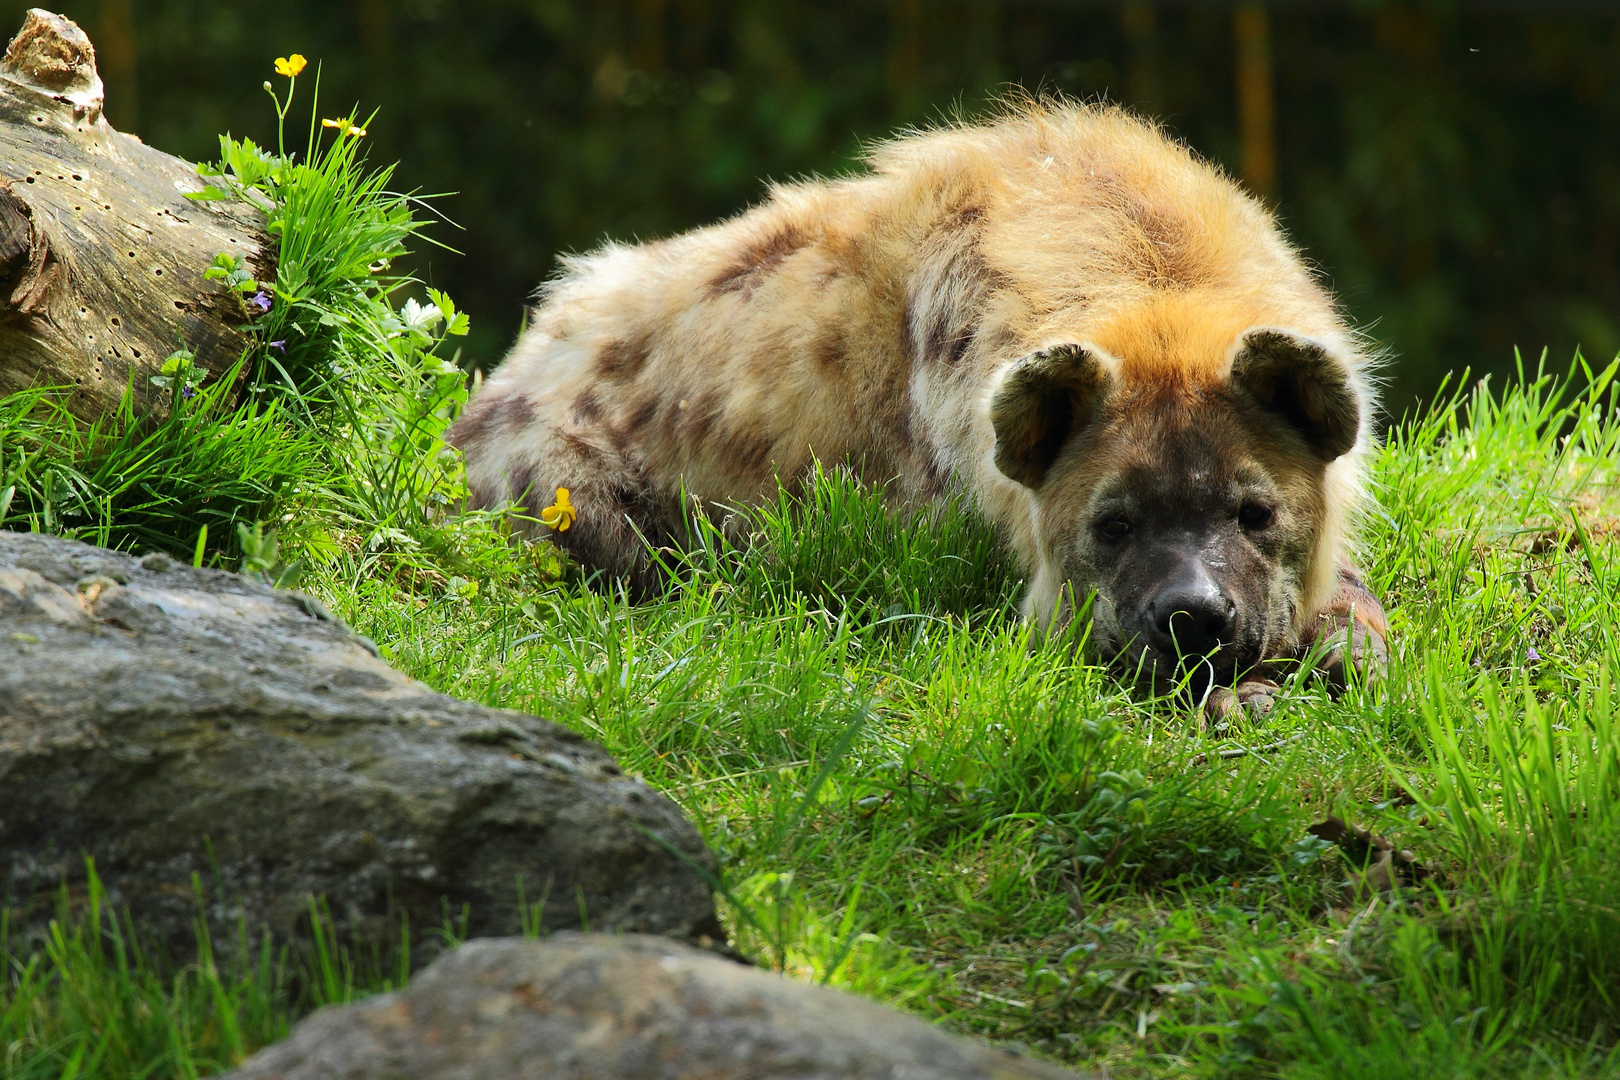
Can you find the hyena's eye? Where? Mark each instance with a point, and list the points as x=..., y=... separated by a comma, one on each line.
x=1117, y=527
x=1256, y=516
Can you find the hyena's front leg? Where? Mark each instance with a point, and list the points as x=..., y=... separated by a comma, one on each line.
x=1353, y=621
x=1353, y=616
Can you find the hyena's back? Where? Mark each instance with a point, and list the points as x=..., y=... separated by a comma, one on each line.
x=862, y=321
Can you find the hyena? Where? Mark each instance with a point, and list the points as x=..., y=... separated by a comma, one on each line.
x=1061, y=313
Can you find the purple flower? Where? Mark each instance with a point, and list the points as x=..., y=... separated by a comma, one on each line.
x=279, y=346
x=1530, y=655
x=188, y=391
x=260, y=300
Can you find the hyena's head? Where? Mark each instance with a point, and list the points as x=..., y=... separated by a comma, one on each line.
x=1193, y=508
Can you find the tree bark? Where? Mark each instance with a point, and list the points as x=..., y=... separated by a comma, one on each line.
x=101, y=255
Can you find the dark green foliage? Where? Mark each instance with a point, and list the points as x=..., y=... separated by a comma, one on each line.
x=1450, y=166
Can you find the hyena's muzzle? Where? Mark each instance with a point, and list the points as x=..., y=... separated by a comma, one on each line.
x=1186, y=608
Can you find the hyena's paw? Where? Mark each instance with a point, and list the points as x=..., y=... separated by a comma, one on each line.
x=1351, y=634
x=1256, y=697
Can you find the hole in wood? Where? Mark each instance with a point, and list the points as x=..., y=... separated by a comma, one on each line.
x=76, y=176
x=114, y=321
x=131, y=254
x=30, y=179
x=39, y=119
x=158, y=271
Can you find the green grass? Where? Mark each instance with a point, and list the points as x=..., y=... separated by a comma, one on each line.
x=913, y=801
x=910, y=798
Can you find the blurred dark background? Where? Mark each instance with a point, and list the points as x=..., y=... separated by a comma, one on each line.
x=1452, y=168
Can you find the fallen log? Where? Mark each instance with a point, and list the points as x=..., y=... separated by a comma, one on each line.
x=102, y=256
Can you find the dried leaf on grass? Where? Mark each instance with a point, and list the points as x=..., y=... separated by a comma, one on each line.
x=1377, y=866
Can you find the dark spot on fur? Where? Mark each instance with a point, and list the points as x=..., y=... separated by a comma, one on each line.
x=943, y=342
x=587, y=408
x=946, y=300
x=486, y=416
x=622, y=360
x=623, y=437
x=757, y=262
x=745, y=451
x=514, y=412
x=643, y=415
x=828, y=352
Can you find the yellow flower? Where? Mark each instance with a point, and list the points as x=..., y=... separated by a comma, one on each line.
x=290, y=66
x=560, y=514
x=345, y=128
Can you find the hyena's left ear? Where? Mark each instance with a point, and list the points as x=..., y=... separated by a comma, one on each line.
x=1304, y=384
x=1040, y=401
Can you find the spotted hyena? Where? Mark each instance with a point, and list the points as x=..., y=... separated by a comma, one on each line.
x=1101, y=340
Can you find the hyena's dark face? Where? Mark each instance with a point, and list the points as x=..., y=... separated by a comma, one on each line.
x=1188, y=513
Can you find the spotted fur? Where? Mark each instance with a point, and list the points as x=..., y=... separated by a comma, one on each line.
x=900, y=320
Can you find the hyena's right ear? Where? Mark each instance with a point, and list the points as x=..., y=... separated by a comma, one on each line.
x=1301, y=381
x=1042, y=400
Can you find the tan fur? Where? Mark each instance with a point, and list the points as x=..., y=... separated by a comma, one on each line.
x=870, y=319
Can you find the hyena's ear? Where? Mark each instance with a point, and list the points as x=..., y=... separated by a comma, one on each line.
x=1304, y=384
x=1040, y=402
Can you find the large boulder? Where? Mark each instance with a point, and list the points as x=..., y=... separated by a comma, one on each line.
x=595, y=1007
x=172, y=722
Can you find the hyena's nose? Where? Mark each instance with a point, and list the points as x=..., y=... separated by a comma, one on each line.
x=1191, y=617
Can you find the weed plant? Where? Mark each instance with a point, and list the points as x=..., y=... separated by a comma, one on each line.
x=910, y=796
x=153, y=483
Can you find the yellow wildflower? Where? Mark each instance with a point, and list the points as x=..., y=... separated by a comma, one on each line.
x=290, y=66
x=344, y=127
x=561, y=514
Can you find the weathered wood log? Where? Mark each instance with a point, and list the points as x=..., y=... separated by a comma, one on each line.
x=101, y=254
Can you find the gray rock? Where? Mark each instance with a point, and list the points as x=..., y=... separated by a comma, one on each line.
x=171, y=722
x=596, y=1007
